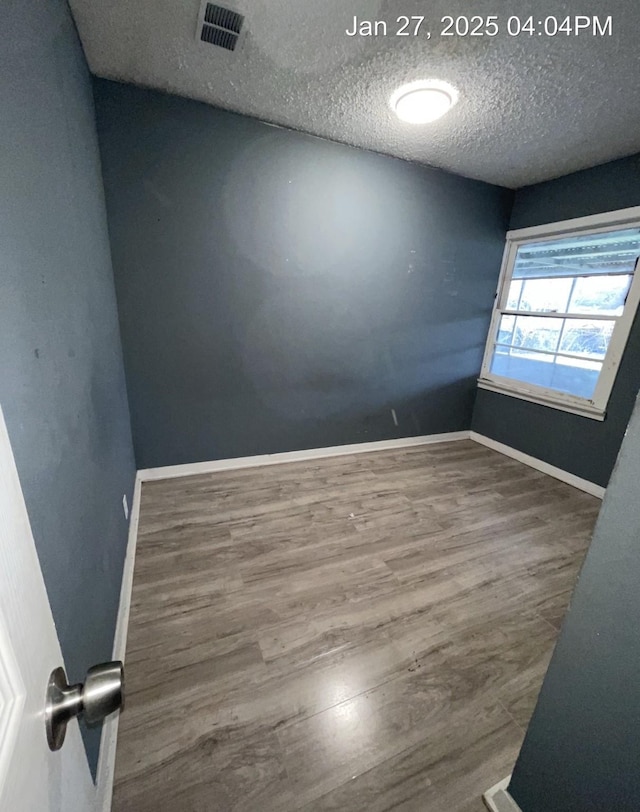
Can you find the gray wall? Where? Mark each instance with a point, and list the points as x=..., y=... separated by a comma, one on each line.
x=62, y=383
x=584, y=447
x=582, y=747
x=279, y=292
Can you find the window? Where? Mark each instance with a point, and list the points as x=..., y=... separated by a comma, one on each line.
x=567, y=297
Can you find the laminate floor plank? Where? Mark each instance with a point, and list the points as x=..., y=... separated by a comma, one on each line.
x=365, y=632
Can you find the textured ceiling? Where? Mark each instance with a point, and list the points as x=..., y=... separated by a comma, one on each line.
x=530, y=108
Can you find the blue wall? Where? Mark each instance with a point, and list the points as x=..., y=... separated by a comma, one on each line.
x=279, y=292
x=62, y=384
x=585, y=447
x=582, y=748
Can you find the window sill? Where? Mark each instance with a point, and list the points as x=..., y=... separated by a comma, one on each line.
x=550, y=401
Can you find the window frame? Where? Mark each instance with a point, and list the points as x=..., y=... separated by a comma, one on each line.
x=594, y=407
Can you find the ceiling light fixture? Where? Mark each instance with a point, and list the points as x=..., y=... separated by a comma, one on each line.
x=423, y=101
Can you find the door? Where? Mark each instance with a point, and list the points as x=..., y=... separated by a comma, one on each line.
x=31, y=776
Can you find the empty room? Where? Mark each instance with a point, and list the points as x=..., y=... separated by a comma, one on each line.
x=319, y=445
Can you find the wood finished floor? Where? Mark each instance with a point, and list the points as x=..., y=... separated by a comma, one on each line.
x=355, y=633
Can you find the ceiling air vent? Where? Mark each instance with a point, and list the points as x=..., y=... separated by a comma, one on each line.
x=220, y=26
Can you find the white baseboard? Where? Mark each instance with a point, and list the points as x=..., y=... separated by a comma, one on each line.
x=108, y=741
x=213, y=466
x=171, y=471
x=540, y=465
x=497, y=799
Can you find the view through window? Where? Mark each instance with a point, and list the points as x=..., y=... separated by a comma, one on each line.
x=558, y=309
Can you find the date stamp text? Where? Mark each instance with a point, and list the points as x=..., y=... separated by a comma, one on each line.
x=484, y=26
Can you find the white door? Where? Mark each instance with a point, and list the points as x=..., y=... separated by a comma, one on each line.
x=32, y=778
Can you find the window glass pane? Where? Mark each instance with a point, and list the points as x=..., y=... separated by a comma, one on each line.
x=505, y=330
x=574, y=376
x=564, y=298
x=514, y=294
x=537, y=333
x=546, y=295
x=612, y=252
x=588, y=338
x=600, y=294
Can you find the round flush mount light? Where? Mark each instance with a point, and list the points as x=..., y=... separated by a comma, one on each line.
x=423, y=101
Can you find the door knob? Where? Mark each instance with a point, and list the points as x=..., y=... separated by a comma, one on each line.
x=101, y=694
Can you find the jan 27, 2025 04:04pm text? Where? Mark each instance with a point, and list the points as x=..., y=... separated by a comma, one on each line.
x=484, y=26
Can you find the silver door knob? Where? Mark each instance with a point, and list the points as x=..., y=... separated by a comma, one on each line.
x=101, y=694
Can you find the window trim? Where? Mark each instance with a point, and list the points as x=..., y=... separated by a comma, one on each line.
x=595, y=407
